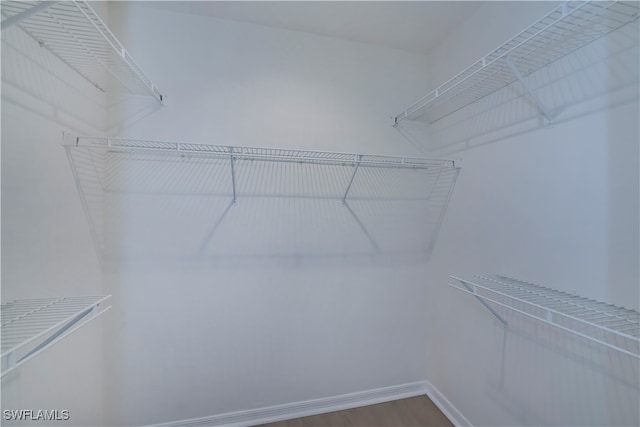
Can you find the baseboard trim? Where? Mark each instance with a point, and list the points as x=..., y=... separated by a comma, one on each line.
x=447, y=408
x=323, y=405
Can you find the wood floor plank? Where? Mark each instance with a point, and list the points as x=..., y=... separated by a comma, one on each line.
x=423, y=412
x=417, y=411
x=329, y=419
x=296, y=422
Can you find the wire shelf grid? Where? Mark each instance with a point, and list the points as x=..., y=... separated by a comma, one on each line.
x=565, y=29
x=612, y=326
x=31, y=325
x=75, y=34
x=381, y=204
x=257, y=153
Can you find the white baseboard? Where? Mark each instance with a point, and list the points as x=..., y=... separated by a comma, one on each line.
x=288, y=411
x=447, y=408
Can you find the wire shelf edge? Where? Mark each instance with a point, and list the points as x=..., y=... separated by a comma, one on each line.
x=602, y=323
x=255, y=153
x=76, y=35
x=30, y=326
x=566, y=28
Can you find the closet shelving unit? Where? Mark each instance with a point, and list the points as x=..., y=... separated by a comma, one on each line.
x=32, y=325
x=614, y=327
x=75, y=34
x=356, y=190
x=568, y=27
x=255, y=153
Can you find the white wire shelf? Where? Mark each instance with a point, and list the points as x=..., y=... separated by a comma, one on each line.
x=210, y=196
x=568, y=27
x=615, y=327
x=30, y=326
x=255, y=153
x=75, y=34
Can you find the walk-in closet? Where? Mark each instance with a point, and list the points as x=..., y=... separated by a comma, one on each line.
x=305, y=213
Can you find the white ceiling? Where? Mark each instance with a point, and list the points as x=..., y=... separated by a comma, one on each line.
x=414, y=26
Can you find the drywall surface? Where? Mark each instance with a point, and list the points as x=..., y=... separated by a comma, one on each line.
x=240, y=84
x=554, y=204
x=47, y=249
x=275, y=307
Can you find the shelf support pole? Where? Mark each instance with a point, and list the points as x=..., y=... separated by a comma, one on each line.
x=353, y=175
x=516, y=72
x=57, y=334
x=233, y=176
x=12, y=20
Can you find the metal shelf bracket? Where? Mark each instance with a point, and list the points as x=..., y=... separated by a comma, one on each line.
x=548, y=114
x=353, y=176
x=473, y=290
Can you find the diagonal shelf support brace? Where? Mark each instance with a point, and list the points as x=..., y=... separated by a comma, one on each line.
x=42, y=318
x=548, y=114
x=473, y=291
x=59, y=333
x=357, y=160
x=353, y=176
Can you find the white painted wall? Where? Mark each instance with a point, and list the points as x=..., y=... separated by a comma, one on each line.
x=201, y=337
x=555, y=205
x=232, y=83
x=46, y=245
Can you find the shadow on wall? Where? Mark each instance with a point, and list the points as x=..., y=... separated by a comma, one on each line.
x=562, y=363
x=623, y=175
x=125, y=110
x=35, y=79
x=599, y=76
x=151, y=206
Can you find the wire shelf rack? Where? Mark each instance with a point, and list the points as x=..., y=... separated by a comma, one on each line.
x=30, y=326
x=566, y=28
x=609, y=325
x=75, y=34
x=254, y=153
x=225, y=200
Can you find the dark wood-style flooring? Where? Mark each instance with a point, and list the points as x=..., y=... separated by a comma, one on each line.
x=417, y=411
